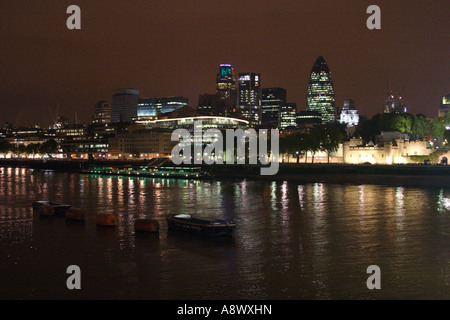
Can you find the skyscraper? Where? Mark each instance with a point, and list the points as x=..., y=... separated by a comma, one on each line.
x=271, y=102
x=250, y=97
x=321, y=91
x=124, y=105
x=226, y=83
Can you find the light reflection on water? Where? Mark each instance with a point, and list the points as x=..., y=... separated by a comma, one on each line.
x=311, y=241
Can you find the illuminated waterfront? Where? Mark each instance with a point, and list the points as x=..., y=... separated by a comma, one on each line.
x=292, y=241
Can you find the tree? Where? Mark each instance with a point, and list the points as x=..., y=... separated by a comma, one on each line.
x=49, y=147
x=330, y=137
x=420, y=127
x=437, y=128
x=368, y=129
x=311, y=142
x=21, y=149
x=33, y=148
x=288, y=144
x=5, y=146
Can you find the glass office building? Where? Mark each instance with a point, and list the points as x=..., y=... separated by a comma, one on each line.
x=321, y=92
x=250, y=96
x=149, y=108
x=271, y=102
x=124, y=105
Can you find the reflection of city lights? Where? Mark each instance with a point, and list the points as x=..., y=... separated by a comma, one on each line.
x=284, y=195
x=443, y=202
x=400, y=202
x=361, y=199
x=300, y=195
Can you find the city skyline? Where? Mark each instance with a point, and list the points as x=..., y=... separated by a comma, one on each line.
x=51, y=70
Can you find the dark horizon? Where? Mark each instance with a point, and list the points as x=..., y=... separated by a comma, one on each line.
x=174, y=48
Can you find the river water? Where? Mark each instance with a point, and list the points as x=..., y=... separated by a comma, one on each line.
x=292, y=241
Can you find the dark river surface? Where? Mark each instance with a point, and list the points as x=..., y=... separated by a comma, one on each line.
x=292, y=241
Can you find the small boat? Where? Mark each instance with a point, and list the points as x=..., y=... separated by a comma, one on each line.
x=186, y=222
x=50, y=208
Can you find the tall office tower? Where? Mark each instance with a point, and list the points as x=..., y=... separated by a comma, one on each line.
x=444, y=108
x=349, y=114
x=124, y=105
x=271, y=102
x=226, y=83
x=288, y=116
x=250, y=97
x=321, y=91
x=102, y=112
x=394, y=104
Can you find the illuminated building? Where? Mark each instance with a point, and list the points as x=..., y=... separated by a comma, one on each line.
x=148, y=108
x=288, y=116
x=169, y=104
x=223, y=102
x=226, y=83
x=102, y=112
x=349, y=115
x=78, y=141
x=142, y=142
x=271, y=101
x=394, y=104
x=308, y=119
x=250, y=97
x=444, y=108
x=61, y=122
x=124, y=105
x=321, y=92
x=208, y=122
x=26, y=136
x=393, y=151
x=151, y=108
x=184, y=118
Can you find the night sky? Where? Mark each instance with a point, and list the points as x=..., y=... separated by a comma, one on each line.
x=166, y=48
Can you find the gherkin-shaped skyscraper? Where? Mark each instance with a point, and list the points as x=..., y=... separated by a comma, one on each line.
x=321, y=92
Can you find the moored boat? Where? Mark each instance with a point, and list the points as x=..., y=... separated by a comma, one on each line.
x=213, y=227
x=50, y=208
